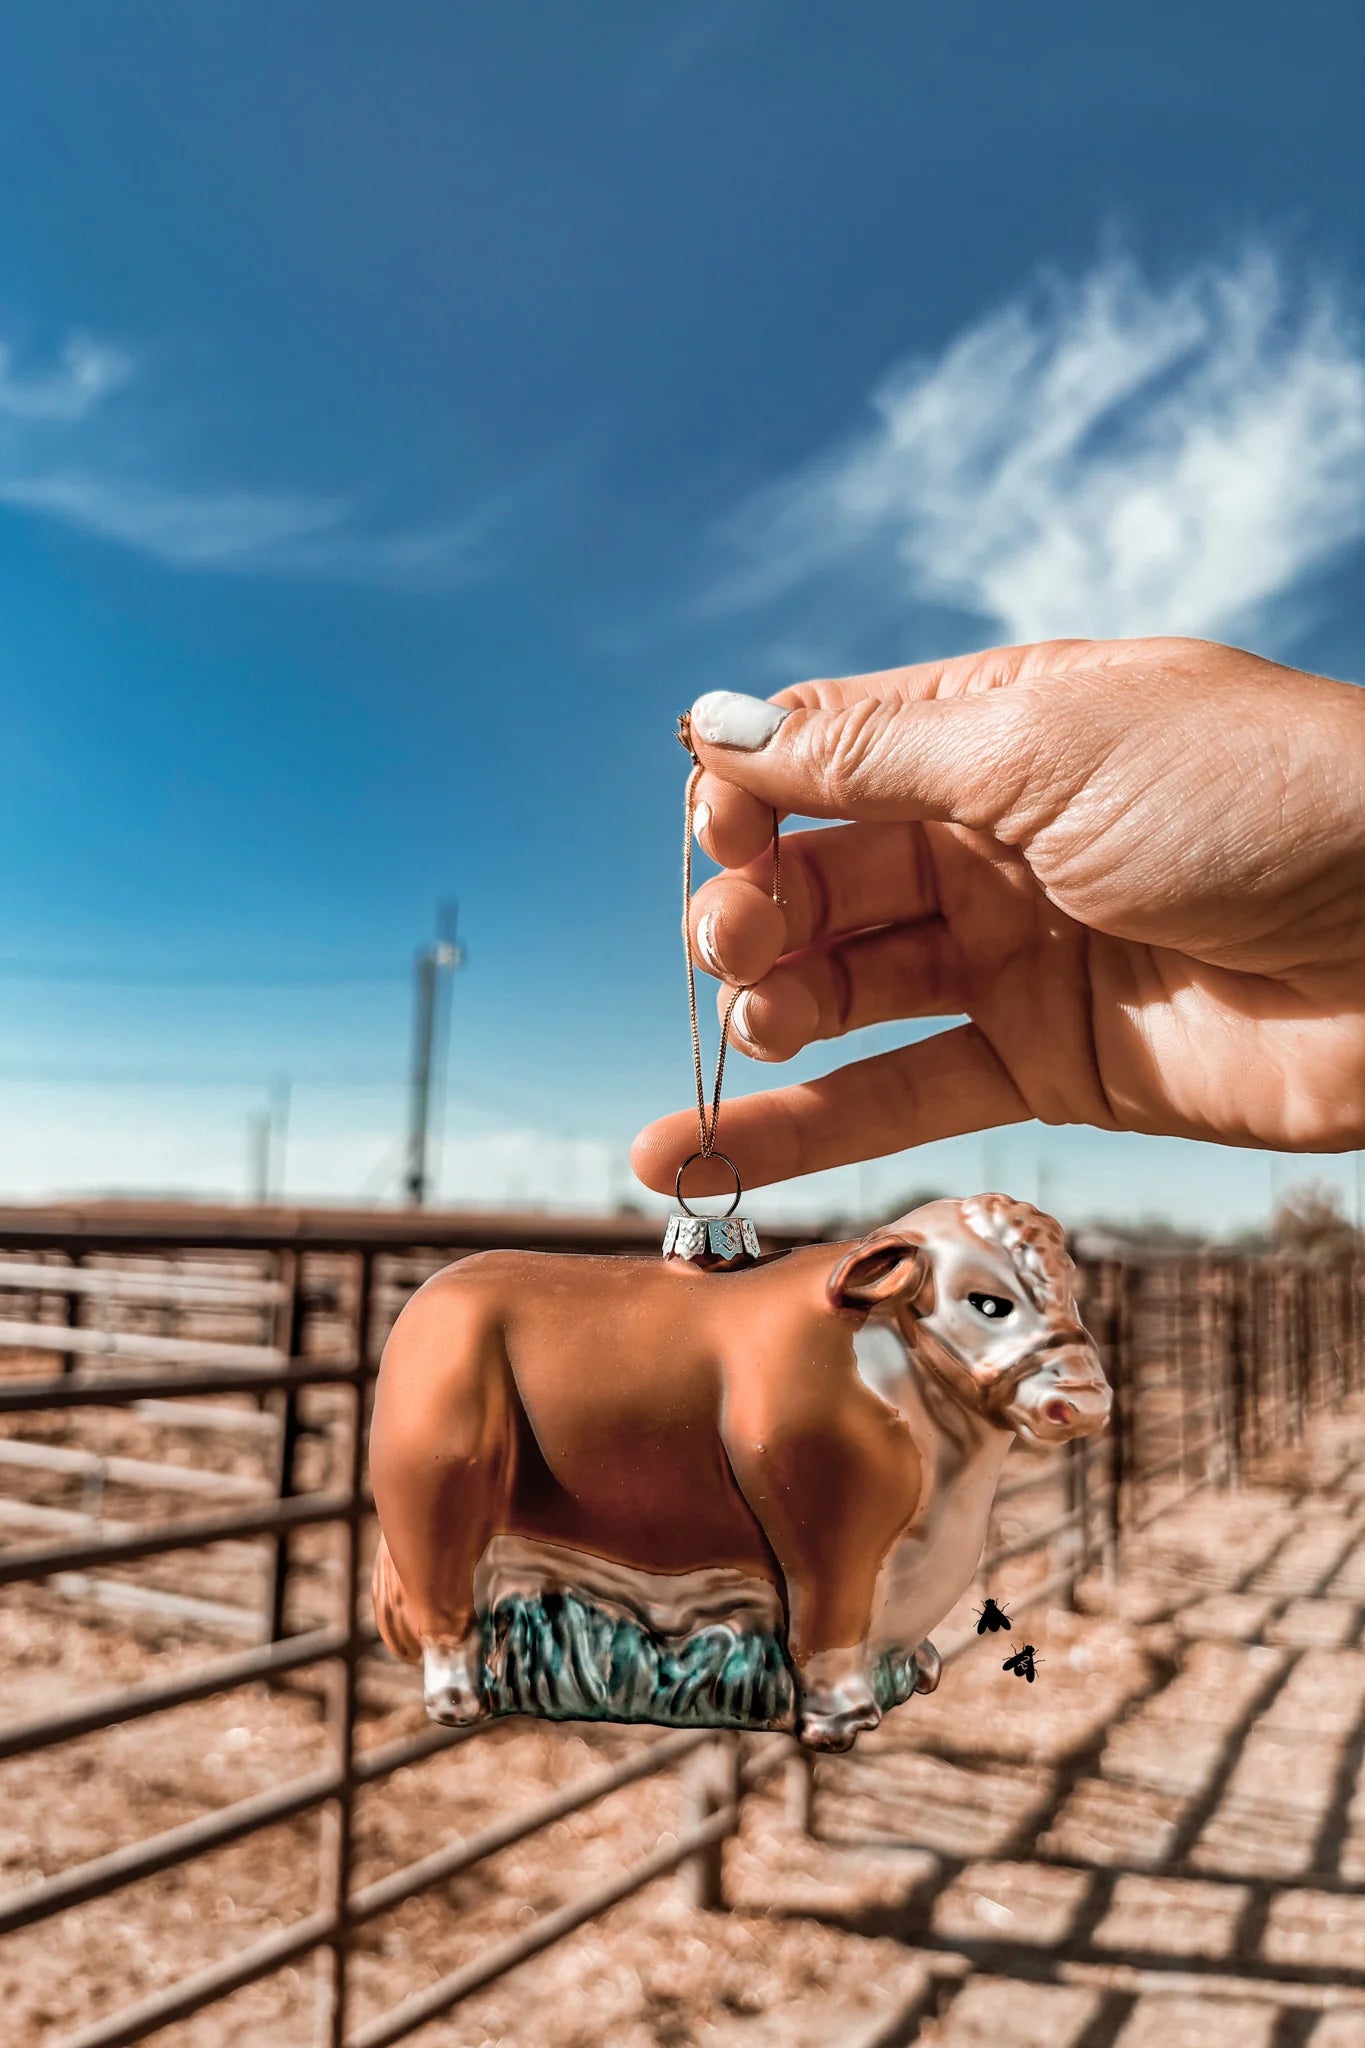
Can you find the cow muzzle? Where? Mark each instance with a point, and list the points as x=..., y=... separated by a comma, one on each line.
x=1064, y=1396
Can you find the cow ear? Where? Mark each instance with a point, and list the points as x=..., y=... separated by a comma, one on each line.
x=880, y=1269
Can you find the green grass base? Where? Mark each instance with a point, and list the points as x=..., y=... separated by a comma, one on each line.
x=561, y=1658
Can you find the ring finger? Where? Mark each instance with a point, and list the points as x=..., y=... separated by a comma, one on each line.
x=835, y=882
x=909, y=970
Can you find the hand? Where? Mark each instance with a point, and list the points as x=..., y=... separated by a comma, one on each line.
x=1137, y=867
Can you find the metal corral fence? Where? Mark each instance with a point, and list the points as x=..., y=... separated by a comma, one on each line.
x=173, y=1316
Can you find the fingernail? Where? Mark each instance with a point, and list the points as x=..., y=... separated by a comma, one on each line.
x=706, y=948
x=701, y=820
x=724, y=718
x=740, y=1025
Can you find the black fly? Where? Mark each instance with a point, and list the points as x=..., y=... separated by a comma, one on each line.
x=1023, y=1663
x=991, y=1617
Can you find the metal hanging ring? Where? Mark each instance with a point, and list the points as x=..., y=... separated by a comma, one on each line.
x=682, y=1199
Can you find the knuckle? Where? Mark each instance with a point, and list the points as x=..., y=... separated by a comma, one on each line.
x=808, y=905
x=846, y=752
x=836, y=1008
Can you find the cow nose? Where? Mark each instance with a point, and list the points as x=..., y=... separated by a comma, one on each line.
x=1076, y=1398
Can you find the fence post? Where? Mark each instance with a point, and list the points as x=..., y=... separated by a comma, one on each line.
x=713, y=1784
x=337, y=1844
x=800, y=1790
x=289, y=1339
x=1078, y=1506
x=74, y=1303
x=1112, y=1295
x=1300, y=1357
x=1260, y=1350
x=1265, y=1380
x=1213, y=1350
x=1182, y=1353
x=1127, y=1470
x=1237, y=1337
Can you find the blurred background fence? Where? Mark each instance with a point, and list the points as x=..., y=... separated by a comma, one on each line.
x=184, y=1396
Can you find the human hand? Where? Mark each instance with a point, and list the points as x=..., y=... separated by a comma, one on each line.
x=1137, y=867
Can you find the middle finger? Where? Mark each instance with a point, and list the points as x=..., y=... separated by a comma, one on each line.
x=834, y=882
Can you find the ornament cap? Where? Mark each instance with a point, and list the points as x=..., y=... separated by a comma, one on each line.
x=711, y=1240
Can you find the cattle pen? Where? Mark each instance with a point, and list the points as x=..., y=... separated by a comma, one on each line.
x=185, y=1394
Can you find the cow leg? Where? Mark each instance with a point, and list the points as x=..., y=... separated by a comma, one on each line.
x=441, y=1478
x=833, y=1484
x=459, y=1521
x=451, y=1516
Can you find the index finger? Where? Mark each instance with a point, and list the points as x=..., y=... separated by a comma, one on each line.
x=735, y=827
x=936, y=1087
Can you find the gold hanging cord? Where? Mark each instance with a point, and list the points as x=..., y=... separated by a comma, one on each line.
x=708, y=1116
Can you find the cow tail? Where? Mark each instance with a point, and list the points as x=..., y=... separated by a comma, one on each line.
x=391, y=1608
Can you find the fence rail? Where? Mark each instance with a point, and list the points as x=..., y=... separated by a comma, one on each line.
x=1215, y=1362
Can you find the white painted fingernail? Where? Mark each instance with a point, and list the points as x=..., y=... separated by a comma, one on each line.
x=701, y=820
x=724, y=718
x=706, y=942
x=740, y=1024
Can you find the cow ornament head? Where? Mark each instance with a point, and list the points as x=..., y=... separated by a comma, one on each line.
x=983, y=1290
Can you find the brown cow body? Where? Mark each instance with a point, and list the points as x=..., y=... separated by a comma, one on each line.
x=663, y=1419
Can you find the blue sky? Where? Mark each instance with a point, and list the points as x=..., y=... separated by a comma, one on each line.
x=404, y=412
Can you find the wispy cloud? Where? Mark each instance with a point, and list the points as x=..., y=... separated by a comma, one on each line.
x=683, y=41
x=1104, y=456
x=73, y=449
x=195, y=529
x=84, y=375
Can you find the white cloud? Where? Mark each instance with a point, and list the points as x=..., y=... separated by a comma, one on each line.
x=199, y=529
x=1106, y=456
x=64, y=456
x=85, y=375
x=264, y=533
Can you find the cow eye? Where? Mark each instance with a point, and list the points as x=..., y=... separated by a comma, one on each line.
x=994, y=1307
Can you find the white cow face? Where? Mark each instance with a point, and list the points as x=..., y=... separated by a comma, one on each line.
x=981, y=1291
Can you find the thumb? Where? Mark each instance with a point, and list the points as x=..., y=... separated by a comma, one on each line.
x=963, y=760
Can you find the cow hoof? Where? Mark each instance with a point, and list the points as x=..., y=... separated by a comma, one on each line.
x=450, y=1690
x=454, y=1710
x=928, y=1667
x=837, y=1702
x=835, y=1732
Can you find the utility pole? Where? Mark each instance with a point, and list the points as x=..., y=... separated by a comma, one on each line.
x=280, y=1096
x=435, y=965
x=267, y=1136
x=258, y=1156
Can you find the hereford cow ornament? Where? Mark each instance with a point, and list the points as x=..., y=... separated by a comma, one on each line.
x=714, y=1492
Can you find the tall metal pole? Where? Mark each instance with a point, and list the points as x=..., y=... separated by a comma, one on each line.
x=434, y=966
x=280, y=1096
x=258, y=1156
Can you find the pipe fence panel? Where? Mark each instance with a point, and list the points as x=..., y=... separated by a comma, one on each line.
x=1215, y=1363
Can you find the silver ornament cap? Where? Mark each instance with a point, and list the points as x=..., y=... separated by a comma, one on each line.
x=711, y=1240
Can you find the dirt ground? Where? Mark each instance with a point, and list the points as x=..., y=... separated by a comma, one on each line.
x=1162, y=1841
